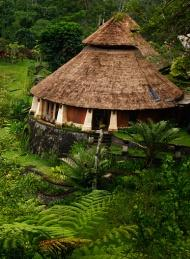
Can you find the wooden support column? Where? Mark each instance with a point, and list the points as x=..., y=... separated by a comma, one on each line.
x=39, y=110
x=62, y=115
x=113, y=121
x=49, y=112
x=87, y=126
x=44, y=109
x=34, y=105
x=54, y=112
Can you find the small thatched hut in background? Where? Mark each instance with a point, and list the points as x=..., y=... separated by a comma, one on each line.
x=109, y=83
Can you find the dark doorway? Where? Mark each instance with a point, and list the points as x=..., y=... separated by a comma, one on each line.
x=101, y=119
x=133, y=115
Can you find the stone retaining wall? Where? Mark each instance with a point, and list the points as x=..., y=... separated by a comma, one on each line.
x=46, y=138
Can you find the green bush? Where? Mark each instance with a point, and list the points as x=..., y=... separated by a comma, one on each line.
x=60, y=42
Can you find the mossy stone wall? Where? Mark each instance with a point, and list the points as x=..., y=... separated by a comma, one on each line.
x=44, y=138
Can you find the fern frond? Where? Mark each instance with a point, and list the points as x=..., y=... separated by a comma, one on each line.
x=79, y=217
x=63, y=247
x=115, y=244
x=19, y=235
x=102, y=256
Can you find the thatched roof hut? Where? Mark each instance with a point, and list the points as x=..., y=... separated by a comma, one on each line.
x=109, y=78
x=120, y=33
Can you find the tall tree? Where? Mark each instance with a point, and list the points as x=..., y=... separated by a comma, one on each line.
x=60, y=42
x=6, y=14
x=26, y=37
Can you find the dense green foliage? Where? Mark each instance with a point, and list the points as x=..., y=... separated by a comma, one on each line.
x=47, y=207
x=145, y=216
x=60, y=42
x=152, y=137
x=25, y=21
x=157, y=17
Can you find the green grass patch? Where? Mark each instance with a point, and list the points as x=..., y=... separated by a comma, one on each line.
x=132, y=151
x=27, y=159
x=115, y=149
x=15, y=77
x=12, y=151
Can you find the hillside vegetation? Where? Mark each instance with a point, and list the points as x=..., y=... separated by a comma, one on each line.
x=125, y=206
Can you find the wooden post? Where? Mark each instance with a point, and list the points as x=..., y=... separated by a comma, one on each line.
x=97, y=159
x=54, y=112
x=87, y=126
x=61, y=116
x=44, y=109
x=64, y=114
x=34, y=105
x=38, y=113
x=50, y=111
x=113, y=121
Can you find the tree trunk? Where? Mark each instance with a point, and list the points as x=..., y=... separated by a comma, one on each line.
x=97, y=158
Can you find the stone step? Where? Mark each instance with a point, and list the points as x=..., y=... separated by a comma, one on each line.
x=106, y=138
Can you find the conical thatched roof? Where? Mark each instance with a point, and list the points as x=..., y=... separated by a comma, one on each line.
x=120, y=34
x=109, y=77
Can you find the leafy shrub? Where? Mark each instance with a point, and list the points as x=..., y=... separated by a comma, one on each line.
x=52, y=158
x=181, y=67
x=19, y=109
x=60, y=42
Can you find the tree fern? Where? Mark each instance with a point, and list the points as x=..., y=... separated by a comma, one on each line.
x=84, y=219
x=20, y=237
x=131, y=255
x=79, y=218
x=116, y=244
x=60, y=247
x=61, y=229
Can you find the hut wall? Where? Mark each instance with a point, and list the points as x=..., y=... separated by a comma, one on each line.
x=182, y=115
x=122, y=119
x=157, y=115
x=149, y=114
x=76, y=114
x=49, y=111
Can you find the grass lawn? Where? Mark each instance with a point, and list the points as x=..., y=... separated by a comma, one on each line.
x=115, y=149
x=12, y=152
x=15, y=77
x=27, y=159
x=24, y=159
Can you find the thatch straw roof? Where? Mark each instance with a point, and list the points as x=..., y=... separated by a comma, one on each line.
x=118, y=79
x=120, y=33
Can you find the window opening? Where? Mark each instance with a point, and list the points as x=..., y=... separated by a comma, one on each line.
x=153, y=94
